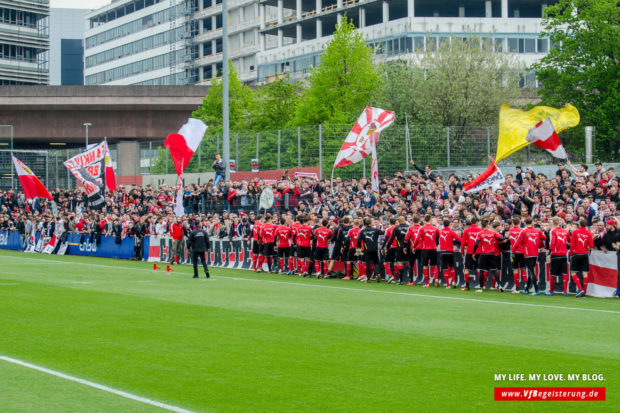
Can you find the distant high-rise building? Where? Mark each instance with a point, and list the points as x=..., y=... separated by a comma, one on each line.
x=24, y=42
x=67, y=46
x=180, y=41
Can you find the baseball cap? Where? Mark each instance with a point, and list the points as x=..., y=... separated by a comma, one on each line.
x=611, y=222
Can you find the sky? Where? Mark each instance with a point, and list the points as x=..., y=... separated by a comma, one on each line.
x=79, y=4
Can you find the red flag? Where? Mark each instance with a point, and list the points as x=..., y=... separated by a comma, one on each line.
x=363, y=135
x=491, y=177
x=182, y=145
x=110, y=180
x=603, y=274
x=543, y=135
x=32, y=186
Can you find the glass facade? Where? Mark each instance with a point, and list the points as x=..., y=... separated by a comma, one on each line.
x=135, y=68
x=71, y=63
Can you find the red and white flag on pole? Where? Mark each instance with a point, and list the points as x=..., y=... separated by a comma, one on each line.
x=32, y=186
x=110, y=179
x=363, y=135
x=492, y=177
x=182, y=145
x=544, y=136
x=603, y=278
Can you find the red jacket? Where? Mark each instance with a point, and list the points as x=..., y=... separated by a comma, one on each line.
x=581, y=241
x=283, y=233
x=427, y=238
x=268, y=233
x=176, y=230
x=530, y=241
x=304, y=235
x=559, y=240
x=447, y=238
x=513, y=234
x=469, y=239
x=487, y=242
x=323, y=235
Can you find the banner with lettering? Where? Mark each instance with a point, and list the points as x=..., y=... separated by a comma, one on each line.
x=89, y=169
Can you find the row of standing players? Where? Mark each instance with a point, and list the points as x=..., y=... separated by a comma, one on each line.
x=409, y=247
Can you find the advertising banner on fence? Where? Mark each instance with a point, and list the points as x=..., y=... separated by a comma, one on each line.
x=9, y=240
x=107, y=248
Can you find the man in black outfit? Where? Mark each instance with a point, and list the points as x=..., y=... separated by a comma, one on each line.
x=198, y=241
x=369, y=239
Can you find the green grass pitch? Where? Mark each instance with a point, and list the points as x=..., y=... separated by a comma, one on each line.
x=245, y=342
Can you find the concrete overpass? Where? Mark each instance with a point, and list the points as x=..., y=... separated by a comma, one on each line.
x=41, y=115
x=53, y=117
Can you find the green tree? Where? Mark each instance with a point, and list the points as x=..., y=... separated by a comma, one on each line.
x=241, y=102
x=276, y=103
x=343, y=84
x=582, y=69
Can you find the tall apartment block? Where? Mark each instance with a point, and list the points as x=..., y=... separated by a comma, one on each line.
x=180, y=41
x=24, y=42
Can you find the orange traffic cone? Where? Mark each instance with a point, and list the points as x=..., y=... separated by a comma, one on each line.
x=155, y=267
x=168, y=269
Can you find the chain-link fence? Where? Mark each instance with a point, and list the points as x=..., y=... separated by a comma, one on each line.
x=442, y=147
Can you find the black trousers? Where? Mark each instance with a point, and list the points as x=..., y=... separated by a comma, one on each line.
x=530, y=265
x=195, y=256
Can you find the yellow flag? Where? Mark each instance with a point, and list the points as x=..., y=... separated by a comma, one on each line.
x=515, y=123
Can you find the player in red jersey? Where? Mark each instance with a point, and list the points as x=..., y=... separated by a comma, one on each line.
x=294, y=245
x=321, y=253
x=304, y=241
x=485, y=248
x=256, y=246
x=352, y=256
x=446, y=253
x=268, y=239
x=389, y=251
x=518, y=260
x=581, y=242
x=559, y=239
x=414, y=256
x=398, y=236
x=426, y=243
x=467, y=250
x=531, y=240
x=283, y=235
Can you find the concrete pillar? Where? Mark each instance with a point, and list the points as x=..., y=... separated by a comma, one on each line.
x=488, y=9
x=298, y=32
x=213, y=70
x=280, y=38
x=504, y=9
x=319, y=6
x=339, y=18
x=542, y=9
x=461, y=11
x=213, y=47
x=319, y=28
x=262, y=42
x=339, y=4
x=280, y=11
x=298, y=9
x=201, y=73
x=262, y=16
x=362, y=17
x=128, y=153
x=241, y=15
x=386, y=11
x=410, y=8
x=213, y=22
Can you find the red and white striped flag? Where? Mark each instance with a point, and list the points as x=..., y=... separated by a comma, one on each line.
x=182, y=145
x=544, y=136
x=363, y=135
x=492, y=177
x=603, y=277
x=31, y=185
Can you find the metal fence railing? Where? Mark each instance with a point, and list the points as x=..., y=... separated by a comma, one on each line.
x=442, y=147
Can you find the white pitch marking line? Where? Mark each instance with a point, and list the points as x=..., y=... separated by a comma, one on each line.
x=9, y=283
x=228, y=277
x=97, y=386
x=80, y=282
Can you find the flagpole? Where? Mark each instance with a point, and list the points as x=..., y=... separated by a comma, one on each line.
x=406, y=143
x=332, y=180
x=225, y=81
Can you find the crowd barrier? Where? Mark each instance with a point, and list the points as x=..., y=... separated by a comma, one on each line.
x=235, y=253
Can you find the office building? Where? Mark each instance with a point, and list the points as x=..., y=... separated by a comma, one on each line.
x=67, y=46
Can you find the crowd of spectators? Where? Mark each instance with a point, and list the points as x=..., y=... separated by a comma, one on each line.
x=228, y=209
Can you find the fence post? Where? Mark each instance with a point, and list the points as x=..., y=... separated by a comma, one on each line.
x=279, y=137
x=488, y=142
x=320, y=151
x=257, y=140
x=589, y=143
x=199, y=153
x=299, y=146
x=236, y=151
x=217, y=143
x=68, y=176
x=151, y=157
x=364, y=166
x=56, y=169
x=47, y=168
x=448, y=143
